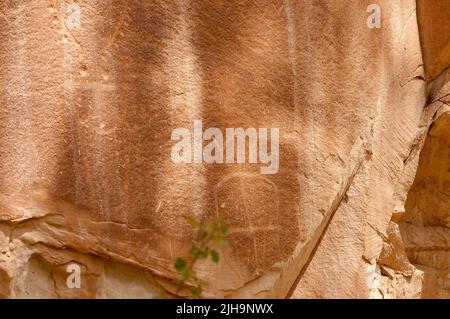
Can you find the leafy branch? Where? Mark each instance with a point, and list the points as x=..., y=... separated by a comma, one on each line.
x=210, y=237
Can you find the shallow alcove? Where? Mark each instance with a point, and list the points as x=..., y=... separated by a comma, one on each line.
x=415, y=258
x=425, y=227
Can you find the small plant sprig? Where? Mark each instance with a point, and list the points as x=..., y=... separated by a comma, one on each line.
x=210, y=237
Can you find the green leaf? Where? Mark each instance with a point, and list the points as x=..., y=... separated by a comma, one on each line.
x=194, y=250
x=195, y=291
x=215, y=256
x=185, y=274
x=192, y=221
x=224, y=229
x=180, y=264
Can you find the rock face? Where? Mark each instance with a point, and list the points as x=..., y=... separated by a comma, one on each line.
x=415, y=258
x=417, y=262
x=91, y=92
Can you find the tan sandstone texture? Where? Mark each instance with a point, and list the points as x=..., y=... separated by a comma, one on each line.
x=359, y=208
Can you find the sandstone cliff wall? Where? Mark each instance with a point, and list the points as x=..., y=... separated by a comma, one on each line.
x=358, y=208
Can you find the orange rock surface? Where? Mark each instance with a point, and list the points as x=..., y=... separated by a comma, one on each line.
x=91, y=91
